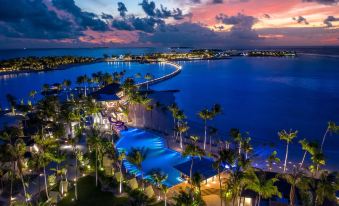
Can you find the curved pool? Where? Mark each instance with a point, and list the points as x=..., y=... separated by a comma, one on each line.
x=158, y=155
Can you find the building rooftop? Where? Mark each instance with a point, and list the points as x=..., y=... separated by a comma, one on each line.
x=107, y=93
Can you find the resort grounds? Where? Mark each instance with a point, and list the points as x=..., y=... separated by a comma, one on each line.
x=64, y=150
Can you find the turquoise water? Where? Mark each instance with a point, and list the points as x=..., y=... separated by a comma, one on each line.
x=158, y=155
x=20, y=85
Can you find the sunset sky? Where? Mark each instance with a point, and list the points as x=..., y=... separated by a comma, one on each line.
x=164, y=23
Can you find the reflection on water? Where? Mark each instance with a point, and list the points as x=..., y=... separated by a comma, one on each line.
x=21, y=84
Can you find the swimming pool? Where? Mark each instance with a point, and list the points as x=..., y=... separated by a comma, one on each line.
x=158, y=155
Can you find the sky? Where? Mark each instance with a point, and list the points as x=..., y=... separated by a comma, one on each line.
x=168, y=23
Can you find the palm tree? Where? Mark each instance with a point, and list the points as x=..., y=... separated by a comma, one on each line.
x=12, y=101
x=264, y=187
x=308, y=147
x=318, y=159
x=94, y=141
x=295, y=179
x=331, y=128
x=32, y=94
x=17, y=152
x=185, y=199
x=193, y=150
x=174, y=109
x=46, y=151
x=205, y=115
x=288, y=137
x=225, y=158
x=326, y=187
x=212, y=131
x=73, y=142
x=81, y=80
x=164, y=189
x=237, y=138
x=247, y=147
x=136, y=156
x=121, y=157
x=67, y=84
x=158, y=177
x=272, y=159
x=182, y=128
x=10, y=135
x=148, y=77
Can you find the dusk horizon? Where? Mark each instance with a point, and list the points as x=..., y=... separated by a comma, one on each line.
x=206, y=23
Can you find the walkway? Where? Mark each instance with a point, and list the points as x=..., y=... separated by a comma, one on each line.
x=177, y=70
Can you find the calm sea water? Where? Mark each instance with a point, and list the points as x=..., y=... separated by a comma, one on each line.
x=263, y=96
x=20, y=85
x=258, y=95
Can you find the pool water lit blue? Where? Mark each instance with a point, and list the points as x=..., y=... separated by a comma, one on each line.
x=158, y=155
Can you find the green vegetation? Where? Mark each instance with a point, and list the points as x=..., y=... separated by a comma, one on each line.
x=89, y=195
x=40, y=63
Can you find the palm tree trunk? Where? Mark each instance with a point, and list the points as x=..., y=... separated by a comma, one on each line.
x=292, y=195
x=121, y=178
x=205, y=134
x=323, y=141
x=96, y=166
x=180, y=139
x=12, y=179
x=85, y=91
x=46, y=186
x=239, y=150
x=76, y=178
x=174, y=128
x=142, y=179
x=23, y=186
x=191, y=170
x=219, y=177
x=165, y=199
x=259, y=198
x=302, y=161
x=286, y=156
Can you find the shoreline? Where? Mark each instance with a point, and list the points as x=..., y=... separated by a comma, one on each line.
x=61, y=67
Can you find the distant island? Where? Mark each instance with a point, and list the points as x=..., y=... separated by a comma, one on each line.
x=36, y=64
x=198, y=54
